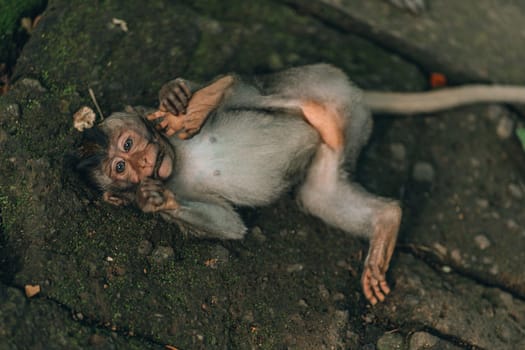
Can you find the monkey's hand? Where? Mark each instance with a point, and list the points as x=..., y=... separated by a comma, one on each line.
x=195, y=112
x=153, y=196
x=174, y=96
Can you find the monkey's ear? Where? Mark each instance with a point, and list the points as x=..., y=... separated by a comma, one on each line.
x=114, y=199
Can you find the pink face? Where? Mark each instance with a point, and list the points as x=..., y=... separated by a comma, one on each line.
x=131, y=158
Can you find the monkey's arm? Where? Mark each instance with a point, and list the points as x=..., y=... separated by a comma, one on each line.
x=207, y=220
x=210, y=219
x=176, y=98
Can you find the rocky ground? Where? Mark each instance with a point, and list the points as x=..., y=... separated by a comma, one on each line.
x=114, y=278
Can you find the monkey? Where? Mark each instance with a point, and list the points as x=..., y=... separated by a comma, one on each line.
x=238, y=142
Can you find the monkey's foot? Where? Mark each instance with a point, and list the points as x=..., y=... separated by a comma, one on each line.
x=382, y=244
x=375, y=287
x=326, y=121
x=153, y=197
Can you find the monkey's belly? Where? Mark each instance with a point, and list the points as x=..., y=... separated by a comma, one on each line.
x=246, y=164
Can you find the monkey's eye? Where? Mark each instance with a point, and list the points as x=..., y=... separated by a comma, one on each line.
x=120, y=167
x=128, y=144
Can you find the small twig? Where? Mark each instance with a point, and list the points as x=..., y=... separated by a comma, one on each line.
x=94, y=99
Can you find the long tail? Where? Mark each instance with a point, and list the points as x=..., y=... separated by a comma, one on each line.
x=433, y=101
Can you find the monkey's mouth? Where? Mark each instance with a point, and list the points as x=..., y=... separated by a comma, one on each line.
x=158, y=163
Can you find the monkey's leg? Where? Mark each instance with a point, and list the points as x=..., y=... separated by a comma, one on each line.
x=327, y=194
x=322, y=93
x=326, y=120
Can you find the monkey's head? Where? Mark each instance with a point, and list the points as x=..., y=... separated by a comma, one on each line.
x=120, y=152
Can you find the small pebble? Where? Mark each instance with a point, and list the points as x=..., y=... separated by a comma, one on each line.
x=302, y=303
x=144, y=247
x=482, y=203
x=398, y=151
x=32, y=84
x=3, y=137
x=162, y=254
x=505, y=127
x=323, y=292
x=504, y=333
x=294, y=268
x=441, y=249
x=422, y=340
x=475, y=162
x=12, y=110
x=512, y=225
x=423, y=172
x=482, y=242
x=515, y=191
x=338, y=296
x=258, y=234
x=456, y=255
x=221, y=254
x=390, y=341
x=494, y=112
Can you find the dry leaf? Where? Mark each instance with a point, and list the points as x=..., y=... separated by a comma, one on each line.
x=31, y=290
x=84, y=118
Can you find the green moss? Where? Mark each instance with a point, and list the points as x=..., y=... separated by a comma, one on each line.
x=10, y=15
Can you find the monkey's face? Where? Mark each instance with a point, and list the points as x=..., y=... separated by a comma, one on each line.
x=135, y=153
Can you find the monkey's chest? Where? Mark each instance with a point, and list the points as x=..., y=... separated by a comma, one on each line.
x=242, y=176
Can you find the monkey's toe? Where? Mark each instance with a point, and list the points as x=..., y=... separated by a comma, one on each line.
x=375, y=289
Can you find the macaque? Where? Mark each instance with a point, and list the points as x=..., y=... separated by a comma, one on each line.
x=235, y=142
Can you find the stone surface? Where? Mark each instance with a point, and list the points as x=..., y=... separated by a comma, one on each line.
x=442, y=38
x=293, y=282
x=454, y=306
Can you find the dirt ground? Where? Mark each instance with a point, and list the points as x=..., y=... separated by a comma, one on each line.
x=114, y=278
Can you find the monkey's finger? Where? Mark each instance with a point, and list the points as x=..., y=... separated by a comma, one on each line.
x=156, y=115
x=174, y=104
x=184, y=86
x=183, y=135
x=181, y=92
x=367, y=289
x=163, y=124
x=153, y=196
x=170, y=132
x=377, y=291
x=384, y=287
x=150, y=186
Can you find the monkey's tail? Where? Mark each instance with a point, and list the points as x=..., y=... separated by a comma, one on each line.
x=438, y=100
